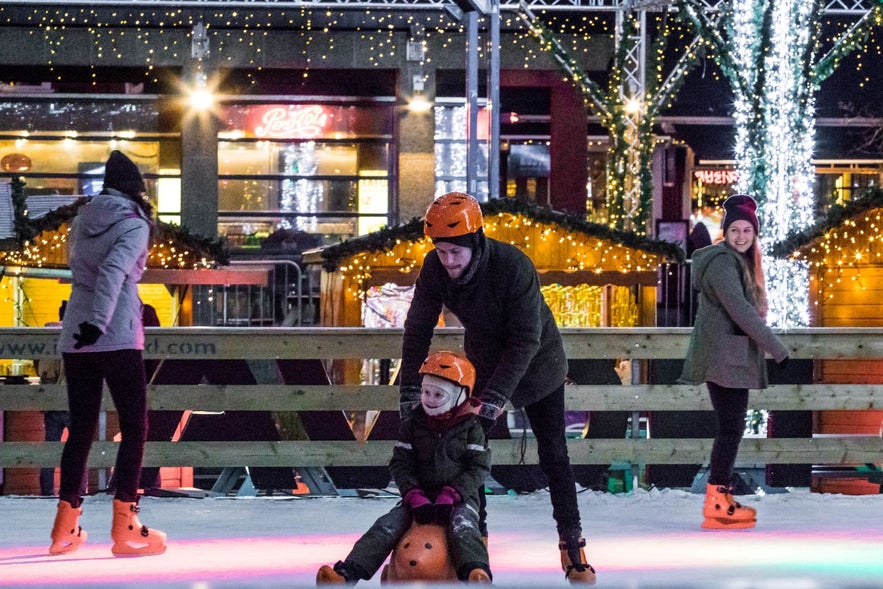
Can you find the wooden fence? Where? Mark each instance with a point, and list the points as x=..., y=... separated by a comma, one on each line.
x=356, y=343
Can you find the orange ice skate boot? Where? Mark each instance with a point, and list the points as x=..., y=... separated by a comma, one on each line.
x=722, y=512
x=573, y=559
x=67, y=535
x=130, y=537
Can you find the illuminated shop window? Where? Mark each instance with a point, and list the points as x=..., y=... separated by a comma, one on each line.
x=450, y=153
x=319, y=169
x=59, y=147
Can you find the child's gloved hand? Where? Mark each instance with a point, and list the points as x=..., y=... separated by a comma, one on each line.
x=444, y=504
x=420, y=505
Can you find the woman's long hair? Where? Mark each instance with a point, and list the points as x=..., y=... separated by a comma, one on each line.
x=755, y=282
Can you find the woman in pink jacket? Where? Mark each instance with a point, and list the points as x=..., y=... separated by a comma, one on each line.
x=102, y=340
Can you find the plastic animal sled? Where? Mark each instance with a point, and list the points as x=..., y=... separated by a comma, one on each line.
x=421, y=555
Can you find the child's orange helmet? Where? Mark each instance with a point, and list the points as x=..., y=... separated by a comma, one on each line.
x=452, y=367
x=451, y=215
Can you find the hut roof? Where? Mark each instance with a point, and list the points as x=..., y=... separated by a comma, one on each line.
x=387, y=238
x=200, y=251
x=799, y=244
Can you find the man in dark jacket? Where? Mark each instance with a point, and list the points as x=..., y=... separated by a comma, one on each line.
x=511, y=338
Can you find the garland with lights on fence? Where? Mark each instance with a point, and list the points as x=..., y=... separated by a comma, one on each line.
x=173, y=246
x=388, y=237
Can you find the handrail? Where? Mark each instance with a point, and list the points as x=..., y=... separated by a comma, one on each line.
x=200, y=343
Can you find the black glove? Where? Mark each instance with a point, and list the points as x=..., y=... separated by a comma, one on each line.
x=425, y=514
x=87, y=336
x=783, y=364
x=492, y=404
x=409, y=398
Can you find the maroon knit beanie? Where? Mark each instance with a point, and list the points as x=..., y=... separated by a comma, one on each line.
x=740, y=207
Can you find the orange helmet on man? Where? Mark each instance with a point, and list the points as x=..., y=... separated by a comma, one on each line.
x=452, y=215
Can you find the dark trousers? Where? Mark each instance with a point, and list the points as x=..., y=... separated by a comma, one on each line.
x=729, y=406
x=54, y=423
x=123, y=370
x=467, y=548
x=546, y=418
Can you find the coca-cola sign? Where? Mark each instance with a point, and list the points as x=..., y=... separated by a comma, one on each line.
x=291, y=122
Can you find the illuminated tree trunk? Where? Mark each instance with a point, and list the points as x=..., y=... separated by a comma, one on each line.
x=769, y=50
x=627, y=114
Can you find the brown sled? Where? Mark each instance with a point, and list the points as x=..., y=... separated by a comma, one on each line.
x=421, y=555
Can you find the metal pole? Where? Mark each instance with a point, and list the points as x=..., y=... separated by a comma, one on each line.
x=471, y=101
x=493, y=103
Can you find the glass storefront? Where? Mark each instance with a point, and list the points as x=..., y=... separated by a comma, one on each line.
x=322, y=169
x=59, y=147
x=450, y=152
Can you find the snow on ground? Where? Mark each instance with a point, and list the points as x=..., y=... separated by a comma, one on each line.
x=645, y=539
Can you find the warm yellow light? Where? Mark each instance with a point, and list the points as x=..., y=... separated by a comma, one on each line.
x=201, y=99
x=633, y=106
x=419, y=104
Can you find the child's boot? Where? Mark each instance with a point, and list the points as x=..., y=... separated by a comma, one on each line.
x=67, y=535
x=130, y=537
x=336, y=575
x=723, y=512
x=479, y=576
x=573, y=559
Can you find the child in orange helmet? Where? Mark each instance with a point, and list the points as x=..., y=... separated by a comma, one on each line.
x=439, y=463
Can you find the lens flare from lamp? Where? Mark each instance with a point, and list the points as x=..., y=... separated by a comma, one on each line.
x=201, y=99
x=419, y=104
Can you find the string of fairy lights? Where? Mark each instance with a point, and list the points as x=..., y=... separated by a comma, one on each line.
x=628, y=116
x=573, y=251
x=49, y=250
x=841, y=253
x=772, y=54
x=779, y=163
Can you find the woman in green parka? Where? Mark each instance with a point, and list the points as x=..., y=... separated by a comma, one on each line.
x=728, y=346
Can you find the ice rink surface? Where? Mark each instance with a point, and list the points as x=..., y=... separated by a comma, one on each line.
x=640, y=540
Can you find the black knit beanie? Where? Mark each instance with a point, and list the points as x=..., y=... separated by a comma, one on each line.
x=470, y=240
x=122, y=174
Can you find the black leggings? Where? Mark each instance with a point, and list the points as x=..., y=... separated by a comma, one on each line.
x=730, y=406
x=547, y=422
x=124, y=372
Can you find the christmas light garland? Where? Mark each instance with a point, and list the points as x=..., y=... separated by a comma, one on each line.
x=628, y=119
x=43, y=242
x=571, y=229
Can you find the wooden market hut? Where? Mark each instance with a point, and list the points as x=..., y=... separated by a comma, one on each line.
x=844, y=252
x=591, y=275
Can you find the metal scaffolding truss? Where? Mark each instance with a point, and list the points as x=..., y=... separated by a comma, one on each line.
x=831, y=6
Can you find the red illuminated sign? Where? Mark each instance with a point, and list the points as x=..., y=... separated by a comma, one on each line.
x=716, y=176
x=296, y=122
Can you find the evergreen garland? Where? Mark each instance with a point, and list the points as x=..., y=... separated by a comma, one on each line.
x=26, y=229
x=387, y=238
x=23, y=231
x=632, y=141
x=837, y=214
